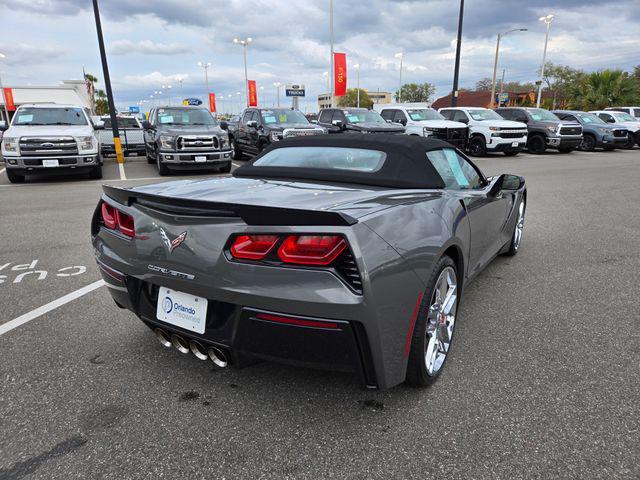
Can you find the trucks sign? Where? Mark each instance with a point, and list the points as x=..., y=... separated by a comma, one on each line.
x=294, y=90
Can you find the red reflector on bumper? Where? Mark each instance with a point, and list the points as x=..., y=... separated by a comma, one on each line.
x=300, y=322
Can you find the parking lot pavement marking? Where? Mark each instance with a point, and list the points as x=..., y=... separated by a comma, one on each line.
x=122, y=174
x=27, y=317
x=235, y=164
x=2, y=171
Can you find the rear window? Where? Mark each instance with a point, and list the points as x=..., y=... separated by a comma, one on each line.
x=123, y=122
x=328, y=158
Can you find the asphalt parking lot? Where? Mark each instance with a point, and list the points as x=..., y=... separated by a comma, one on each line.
x=542, y=381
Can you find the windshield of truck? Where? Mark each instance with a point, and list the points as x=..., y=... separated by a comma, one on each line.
x=420, y=114
x=49, y=116
x=588, y=118
x=541, y=115
x=184, y=116
x=623, y=117
x=363, y=116
x=275, y=116
x=481, y=115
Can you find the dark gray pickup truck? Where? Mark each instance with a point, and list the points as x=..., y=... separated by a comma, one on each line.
x=545, y=130
x=186, y=138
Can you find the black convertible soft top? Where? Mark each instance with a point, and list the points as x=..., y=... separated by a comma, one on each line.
x=406, y=164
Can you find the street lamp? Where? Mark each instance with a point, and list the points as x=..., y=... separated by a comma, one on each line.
x=245, y=43
x=495, y=62
x=262, y=93
x=205, y=66
x=547, y=20
x=357, y=67
x=400, y=56
x=4, y=100
x=277, y=85
x=239, y=102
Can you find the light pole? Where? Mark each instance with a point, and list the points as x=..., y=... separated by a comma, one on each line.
x=262, y=94
x=456, y=68
x=495, y=63
x=4, y=100
x=357, y=67
x=331, y=67
x=400, y=56
x=239, y=102
x=245, y=43
x=230, y=103
x=205, y=66
x=547, y=20
x=277, y=85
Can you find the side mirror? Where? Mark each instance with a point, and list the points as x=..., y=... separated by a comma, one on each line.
x=3, y=125
x=511, y=182
x=252, y=124
x=146, y=125
x=224, y=125
x=389, y=120
x=402, y=121
x=99, y=125
x=611, y=120
x=463, y=120
x=315, y=122
x=337, y=123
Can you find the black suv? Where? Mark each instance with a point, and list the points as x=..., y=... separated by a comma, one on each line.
x=356, y=120
x=259, y=127
x=186, y=138
x=545, y=130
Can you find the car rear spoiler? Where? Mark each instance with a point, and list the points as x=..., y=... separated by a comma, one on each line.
x=250, y=214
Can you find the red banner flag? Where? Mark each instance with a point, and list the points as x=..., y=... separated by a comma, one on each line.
x=8, y=98
x=253, y=93
x=340, y=74
x=212, y=102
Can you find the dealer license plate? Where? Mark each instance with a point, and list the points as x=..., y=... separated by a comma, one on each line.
x=182, y=309
x=201, y=158
x=514, y=144
x=50, y=163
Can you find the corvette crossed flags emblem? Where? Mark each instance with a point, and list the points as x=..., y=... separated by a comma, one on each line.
x=172, y=244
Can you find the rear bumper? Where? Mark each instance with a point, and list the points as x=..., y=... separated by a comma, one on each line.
x=66, y=164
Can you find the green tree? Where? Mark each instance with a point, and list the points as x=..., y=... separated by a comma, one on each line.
x=416, y=92
x=100, y=103
x=351, y=99
x=560, y=80
x=484, y=84
x=603, y=89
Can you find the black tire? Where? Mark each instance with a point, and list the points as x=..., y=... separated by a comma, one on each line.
x=150, y=159
x=226, y=168
x=477, y=146
x=631, y=141
x=514, y=244
x=236, y=153
x=588, y=143
x=96, y=173
x=536, y=144
x=417, y=374
x=162, y=168
x=14, y=177
x=566, y=149
x=511, y=154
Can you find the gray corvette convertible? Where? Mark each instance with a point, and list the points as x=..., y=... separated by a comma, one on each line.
x=343, y=253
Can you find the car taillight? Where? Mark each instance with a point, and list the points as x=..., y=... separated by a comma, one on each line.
x=108, y=215
x=319, y=250
x=125, y=224
x=253, y=247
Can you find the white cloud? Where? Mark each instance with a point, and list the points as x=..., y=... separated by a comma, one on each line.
x=146, y=47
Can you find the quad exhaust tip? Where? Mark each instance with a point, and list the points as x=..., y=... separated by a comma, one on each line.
x=198, y=350
x=218, y=357
x=180, y=343
x=163, y=337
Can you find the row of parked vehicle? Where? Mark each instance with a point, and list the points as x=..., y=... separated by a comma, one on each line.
x=50, y=138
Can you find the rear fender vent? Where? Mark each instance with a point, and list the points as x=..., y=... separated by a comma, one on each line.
x=347, y=270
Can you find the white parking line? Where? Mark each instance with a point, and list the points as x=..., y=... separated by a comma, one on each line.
x=27, y=317
x=235, y=164
x=2, y=171
x=122, y=174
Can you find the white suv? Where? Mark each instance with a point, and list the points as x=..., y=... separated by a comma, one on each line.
x=422, y=120
x=488, y=131
x=51, y=138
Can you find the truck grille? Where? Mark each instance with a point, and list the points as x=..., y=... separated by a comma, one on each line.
x=455, y=136
x=197, y=142
x=301, y=132
x=570, y=130
x=619, y=133
x=34, y=162
x=48, y=146
x=512, y=133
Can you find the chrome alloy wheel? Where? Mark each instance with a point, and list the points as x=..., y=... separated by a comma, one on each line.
x=517, y=234
x=441, y=320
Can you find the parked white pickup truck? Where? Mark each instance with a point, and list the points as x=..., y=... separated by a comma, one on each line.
x=51, y=139
x=488, y=131
x=419, y=119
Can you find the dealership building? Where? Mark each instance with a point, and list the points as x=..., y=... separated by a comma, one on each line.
x=71, y=92
x=324, y=99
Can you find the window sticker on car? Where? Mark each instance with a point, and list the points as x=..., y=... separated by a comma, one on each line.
x=282, y=118
x=270, y=119
x=25, y=118
x=352, y=118
x=166, y=119
x=456, y=169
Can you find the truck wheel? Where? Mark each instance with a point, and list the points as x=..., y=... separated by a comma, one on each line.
x=14, y=177
x=631, y=141
x=96, y=173
x=162, y=168
x=588, y=143
x=536, y=144
x=226, y=168
x=477, y=146
x=236, y=153
x=150, y=159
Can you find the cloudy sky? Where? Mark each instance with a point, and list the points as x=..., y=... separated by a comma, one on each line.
x=155, y=42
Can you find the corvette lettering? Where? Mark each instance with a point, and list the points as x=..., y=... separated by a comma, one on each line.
x=173, y=273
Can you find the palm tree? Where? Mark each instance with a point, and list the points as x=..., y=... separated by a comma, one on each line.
x=604, y=89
